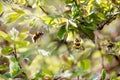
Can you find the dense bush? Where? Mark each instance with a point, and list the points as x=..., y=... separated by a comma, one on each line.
x=59, y=39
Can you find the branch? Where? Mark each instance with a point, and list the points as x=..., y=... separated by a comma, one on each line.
x=108, y=21
x=44, y=10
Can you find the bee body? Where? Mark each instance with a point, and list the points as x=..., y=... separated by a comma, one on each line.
x=110, y=44
x=36, y=36
x=78, y=45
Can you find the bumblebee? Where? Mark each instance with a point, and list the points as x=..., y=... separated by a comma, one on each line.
x=110, y=44
x=78, y=45
x=37, y=35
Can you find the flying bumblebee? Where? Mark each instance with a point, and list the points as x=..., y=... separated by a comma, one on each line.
x=110, y=44
x=77, y=45
x=36, y=36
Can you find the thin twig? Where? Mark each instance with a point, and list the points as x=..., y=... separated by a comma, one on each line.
x=44, y=10
x=15, y=55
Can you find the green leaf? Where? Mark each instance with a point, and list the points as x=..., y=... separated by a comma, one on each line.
x=87, y=32
x=39, y=75
x=13, y=17
x=3, y=67
x=110, y=58
x=2, y=77
x=14, y=67
x=7, y=50
x=22, y=43
x=7, y=74
x=103, y=74
x=85, y=64
x=1, y=7
x=23, y=35
x=5, y=36
x=61, y=32
x=79, y=72
x=101, y=16
x=94, y=77
x=19, y=11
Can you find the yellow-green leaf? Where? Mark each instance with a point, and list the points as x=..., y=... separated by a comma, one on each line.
x=13, y=17
x=1, y=7
x=19, y=11
x=5, y=36
x=7, y=50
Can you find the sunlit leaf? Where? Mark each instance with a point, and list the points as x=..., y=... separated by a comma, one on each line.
x=101, y=16
x=22, y=43
x=72, y=23
x=5, y=36
x=7, y=50
x=19, y=11
x=23, y=35
x=12, y=17
x=85, y=64
x=60, y=21
x=1, y=7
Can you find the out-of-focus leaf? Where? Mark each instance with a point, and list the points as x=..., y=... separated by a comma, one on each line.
x=70, y=36
x=22, y=43
x=13, y=17
x=23, y=35
x=101, y=16
x=3, y=67
x=39, y=75
x=85, y=64
x=87, y=32
x=19, y=11
x=7, y=75
x=85, y=53
x=24, y=49
x=103, y=74
x=46, y=18
x=1, y=7
x=34, y=67
x=2, y=77
x=79, y=72
x=7, y=50
x=60, y=21
x=110, y=58
x=14, y=67
x=72, y=23
x=5, y=36
x=61, y=32
x=95, y=77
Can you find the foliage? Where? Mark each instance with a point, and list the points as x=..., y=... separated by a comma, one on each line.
x=55, y=54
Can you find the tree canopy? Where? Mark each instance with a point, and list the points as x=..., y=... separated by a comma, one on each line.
x=59, y=39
